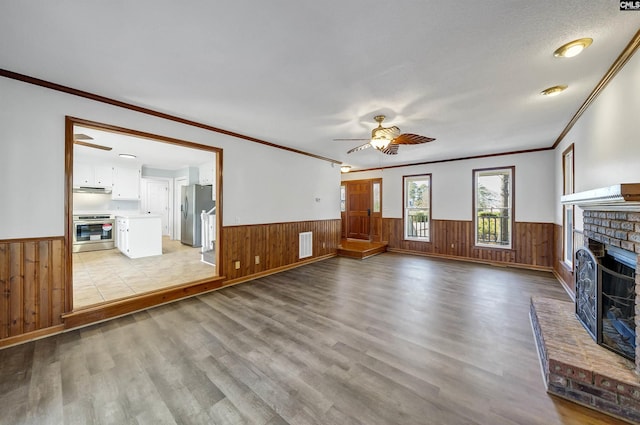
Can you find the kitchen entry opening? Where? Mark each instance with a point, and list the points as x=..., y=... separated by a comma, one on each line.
x=143, y=212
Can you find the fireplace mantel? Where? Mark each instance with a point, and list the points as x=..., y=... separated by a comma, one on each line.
x=619, y=197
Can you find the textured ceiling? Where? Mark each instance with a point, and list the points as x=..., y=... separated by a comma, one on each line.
x=301, y=73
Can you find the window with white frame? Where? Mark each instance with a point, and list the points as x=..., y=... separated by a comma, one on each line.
x=417, y=207
x=493, y=209
x=568, y=222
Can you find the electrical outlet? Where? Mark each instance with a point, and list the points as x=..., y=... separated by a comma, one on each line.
x=257, y=259
x=323, y=246
x=237, y=265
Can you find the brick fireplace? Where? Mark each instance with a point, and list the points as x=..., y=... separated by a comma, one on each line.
x=575, y=366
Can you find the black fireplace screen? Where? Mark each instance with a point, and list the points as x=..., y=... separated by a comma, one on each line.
x=587, y=290
x=605, y=301
x=617, y=310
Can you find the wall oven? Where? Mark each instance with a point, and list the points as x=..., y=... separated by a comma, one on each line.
x=93, y=232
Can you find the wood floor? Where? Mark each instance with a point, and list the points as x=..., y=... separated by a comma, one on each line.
x=392, y=339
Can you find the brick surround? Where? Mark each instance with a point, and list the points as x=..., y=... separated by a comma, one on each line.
x=578, y=369
x=617, y=228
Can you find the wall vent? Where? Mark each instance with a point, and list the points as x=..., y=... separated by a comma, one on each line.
x=306, y=244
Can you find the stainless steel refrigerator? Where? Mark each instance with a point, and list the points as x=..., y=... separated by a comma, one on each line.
x=195, y=199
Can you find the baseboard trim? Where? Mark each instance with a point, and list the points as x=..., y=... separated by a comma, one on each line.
x=112, y=309
x=564, y=284
x=472, y=260
x=30, y=336
x=243, y=279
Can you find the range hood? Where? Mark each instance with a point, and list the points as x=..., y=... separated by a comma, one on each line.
x=91, y=189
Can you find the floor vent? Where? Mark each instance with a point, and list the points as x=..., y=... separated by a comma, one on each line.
x=306, y=244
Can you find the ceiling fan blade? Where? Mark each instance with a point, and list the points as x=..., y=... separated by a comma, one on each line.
x=391, y=149
x=411, y=139
x=92, y=145
x=359, y=148
x=81, y=136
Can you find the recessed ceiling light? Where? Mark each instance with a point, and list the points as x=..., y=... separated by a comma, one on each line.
x=127, y=155
x=553, y=91
x=572, y=48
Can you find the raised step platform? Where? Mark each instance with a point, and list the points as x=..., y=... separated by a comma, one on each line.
x=578, y=369
x=360, y=249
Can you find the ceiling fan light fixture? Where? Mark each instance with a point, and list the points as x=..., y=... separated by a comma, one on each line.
x=345, y=168
x=380, y=143
x=573, y=48
x=553, y=91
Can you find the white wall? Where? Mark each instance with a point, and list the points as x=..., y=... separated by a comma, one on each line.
x=452, y=186
x=606, y=138
x=260, y=184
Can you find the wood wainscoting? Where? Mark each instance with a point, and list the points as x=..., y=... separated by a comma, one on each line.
x=533, y=243
x=33, y=277
x=32, y=280
x=276, y=245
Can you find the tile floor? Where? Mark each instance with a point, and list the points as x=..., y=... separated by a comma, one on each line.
x=107, y=275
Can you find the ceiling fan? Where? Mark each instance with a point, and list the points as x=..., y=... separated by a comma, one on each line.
x=81, y=139
x=388, y=139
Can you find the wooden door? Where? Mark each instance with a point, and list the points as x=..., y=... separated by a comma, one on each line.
x=359, y=209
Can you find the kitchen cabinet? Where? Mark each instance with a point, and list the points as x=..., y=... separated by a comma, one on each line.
x=207, y=173
x=139, y=235
x=126, y=183
x=92, y=175
x=207, y=176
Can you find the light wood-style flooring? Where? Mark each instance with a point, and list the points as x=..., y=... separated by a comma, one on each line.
x=108, y=275
x=393, y=339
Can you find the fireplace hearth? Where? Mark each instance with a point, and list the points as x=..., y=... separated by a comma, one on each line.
x=588, y=348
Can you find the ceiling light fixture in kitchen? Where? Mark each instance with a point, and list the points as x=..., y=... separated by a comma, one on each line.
x=127, y=155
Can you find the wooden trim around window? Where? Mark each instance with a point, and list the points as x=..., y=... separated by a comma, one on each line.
x=513, y=207
x=566, y=191
x=404, y=205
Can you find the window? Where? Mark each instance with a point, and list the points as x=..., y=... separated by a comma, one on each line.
x=567, y=225
x=376, y=197
x=343, y=198
x=493, y=209
x=417, y=207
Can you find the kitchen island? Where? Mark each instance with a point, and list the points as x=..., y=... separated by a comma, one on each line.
x=139, y=235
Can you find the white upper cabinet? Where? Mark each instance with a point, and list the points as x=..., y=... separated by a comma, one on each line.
x=207, y=173
x=126, y=183
x=92, y=176
x=103, y=175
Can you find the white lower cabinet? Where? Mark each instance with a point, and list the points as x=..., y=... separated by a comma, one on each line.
x=139, y=235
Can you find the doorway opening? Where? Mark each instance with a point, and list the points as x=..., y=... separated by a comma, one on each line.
x=136, y=182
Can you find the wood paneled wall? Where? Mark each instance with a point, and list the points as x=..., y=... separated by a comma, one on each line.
x=533, y=242
x=32, y=271
x=32, y=281
x=276, y=245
